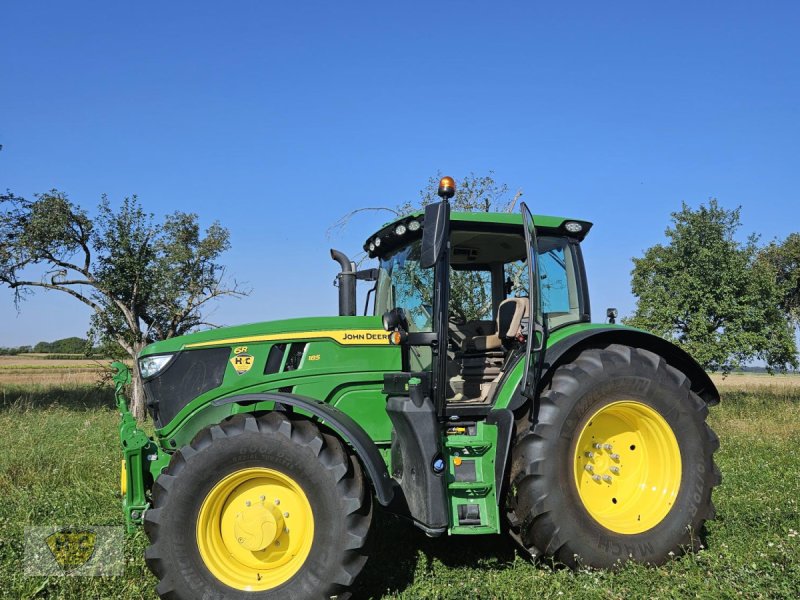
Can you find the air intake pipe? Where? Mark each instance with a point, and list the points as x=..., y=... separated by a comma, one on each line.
x=347, y=284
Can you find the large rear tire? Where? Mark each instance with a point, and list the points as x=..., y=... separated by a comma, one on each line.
x=618, y=464
x=256, y=508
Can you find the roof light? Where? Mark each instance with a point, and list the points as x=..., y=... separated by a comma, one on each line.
x=413, y=225
x=371, y=247
x=400, y=229
x=377, y=242
x=573, y=227
x=447, y=188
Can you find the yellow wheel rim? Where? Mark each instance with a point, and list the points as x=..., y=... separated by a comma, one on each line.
x=627, y=467
x=254, y=529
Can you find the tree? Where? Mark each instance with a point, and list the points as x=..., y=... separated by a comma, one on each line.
x=711, y=294
x=144, y=281
x=70, y=345
x=784, y=257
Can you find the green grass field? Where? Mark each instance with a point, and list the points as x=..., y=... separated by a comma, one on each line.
x=59, y=465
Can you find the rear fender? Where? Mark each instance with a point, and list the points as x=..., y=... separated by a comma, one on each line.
x=347, y=429
x=565, y=350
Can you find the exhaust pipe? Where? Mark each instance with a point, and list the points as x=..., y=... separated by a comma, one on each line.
x=347, y=284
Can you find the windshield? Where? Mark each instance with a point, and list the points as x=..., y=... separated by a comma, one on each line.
x=404, y=284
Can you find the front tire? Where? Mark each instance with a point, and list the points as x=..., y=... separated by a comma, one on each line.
x=256, y=508
x=618, y=464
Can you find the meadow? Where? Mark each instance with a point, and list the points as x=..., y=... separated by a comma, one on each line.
x=59, y=464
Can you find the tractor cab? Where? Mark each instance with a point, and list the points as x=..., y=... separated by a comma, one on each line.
x=484, y=282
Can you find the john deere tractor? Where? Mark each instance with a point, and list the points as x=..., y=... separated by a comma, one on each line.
x=499, y=409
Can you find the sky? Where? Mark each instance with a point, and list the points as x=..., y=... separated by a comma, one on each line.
x=278, y=118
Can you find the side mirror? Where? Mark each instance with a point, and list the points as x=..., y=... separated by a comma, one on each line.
x=434, y=233
x=395, y=319
x=611, y=315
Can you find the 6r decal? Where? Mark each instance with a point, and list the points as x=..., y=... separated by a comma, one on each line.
x=242, y=361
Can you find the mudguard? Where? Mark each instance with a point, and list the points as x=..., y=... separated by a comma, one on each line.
x=564, y=349
x=350, y=432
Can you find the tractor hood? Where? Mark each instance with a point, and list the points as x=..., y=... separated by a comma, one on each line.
x=311, y=356
x=344, y=330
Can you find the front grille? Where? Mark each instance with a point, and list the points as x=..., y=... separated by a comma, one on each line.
x=190, y=374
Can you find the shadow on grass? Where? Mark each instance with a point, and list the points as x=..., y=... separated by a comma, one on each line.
x=80, y=397
x=397, y=550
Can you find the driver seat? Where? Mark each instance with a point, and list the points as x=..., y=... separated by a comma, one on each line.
x=481, y=364
x=510, y=313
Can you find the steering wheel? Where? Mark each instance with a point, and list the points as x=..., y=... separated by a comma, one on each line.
x=456, y=316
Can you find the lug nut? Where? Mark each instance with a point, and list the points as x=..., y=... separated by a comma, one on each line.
x=614, y=470
x=247, y=503
x=589, y=454
x=285, y=515
x=589, y=468
x=277, y=501
x=607, y=478
x=597, y=446
x=262, y=498
x=596, y=477
x=607, y=447
x=615, y=456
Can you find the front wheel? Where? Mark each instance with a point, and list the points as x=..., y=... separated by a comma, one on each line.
x=617, y=466
x=258, y=508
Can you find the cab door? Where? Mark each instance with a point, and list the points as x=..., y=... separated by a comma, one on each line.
x=537, y=332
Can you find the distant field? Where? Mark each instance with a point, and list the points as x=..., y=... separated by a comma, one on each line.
x=32, y=369
x=756, y=380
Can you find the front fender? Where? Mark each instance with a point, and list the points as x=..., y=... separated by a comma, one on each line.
x=350, y=431
x=568, y=347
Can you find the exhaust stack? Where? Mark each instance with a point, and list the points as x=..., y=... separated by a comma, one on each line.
x=347, y=284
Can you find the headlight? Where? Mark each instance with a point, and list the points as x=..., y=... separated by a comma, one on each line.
x=150, y=366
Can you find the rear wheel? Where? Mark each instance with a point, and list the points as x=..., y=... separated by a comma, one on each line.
x=255, y=508
x=618, y=465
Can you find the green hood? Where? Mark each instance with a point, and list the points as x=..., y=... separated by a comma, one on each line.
x=286, y=329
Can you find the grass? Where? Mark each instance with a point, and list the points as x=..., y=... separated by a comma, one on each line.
x=59, y=465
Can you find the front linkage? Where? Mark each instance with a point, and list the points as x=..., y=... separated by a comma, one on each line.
x=138, y=450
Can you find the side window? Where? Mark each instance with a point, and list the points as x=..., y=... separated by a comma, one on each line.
x=557, y=281
x=553, y=272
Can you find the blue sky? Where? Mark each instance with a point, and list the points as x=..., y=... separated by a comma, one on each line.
x=277, y=118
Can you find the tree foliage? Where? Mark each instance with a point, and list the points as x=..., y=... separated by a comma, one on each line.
x=711, y=294
x=784, y=257
x=70, y=345
x=144, y=281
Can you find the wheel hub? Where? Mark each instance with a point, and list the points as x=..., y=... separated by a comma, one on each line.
x=257, y=526
x=627, y=467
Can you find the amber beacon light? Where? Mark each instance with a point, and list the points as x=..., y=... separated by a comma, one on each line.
x=447, y=188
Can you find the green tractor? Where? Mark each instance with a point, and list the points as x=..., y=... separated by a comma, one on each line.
x=586, y=443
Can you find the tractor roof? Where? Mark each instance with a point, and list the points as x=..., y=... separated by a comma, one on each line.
x=475, y=221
